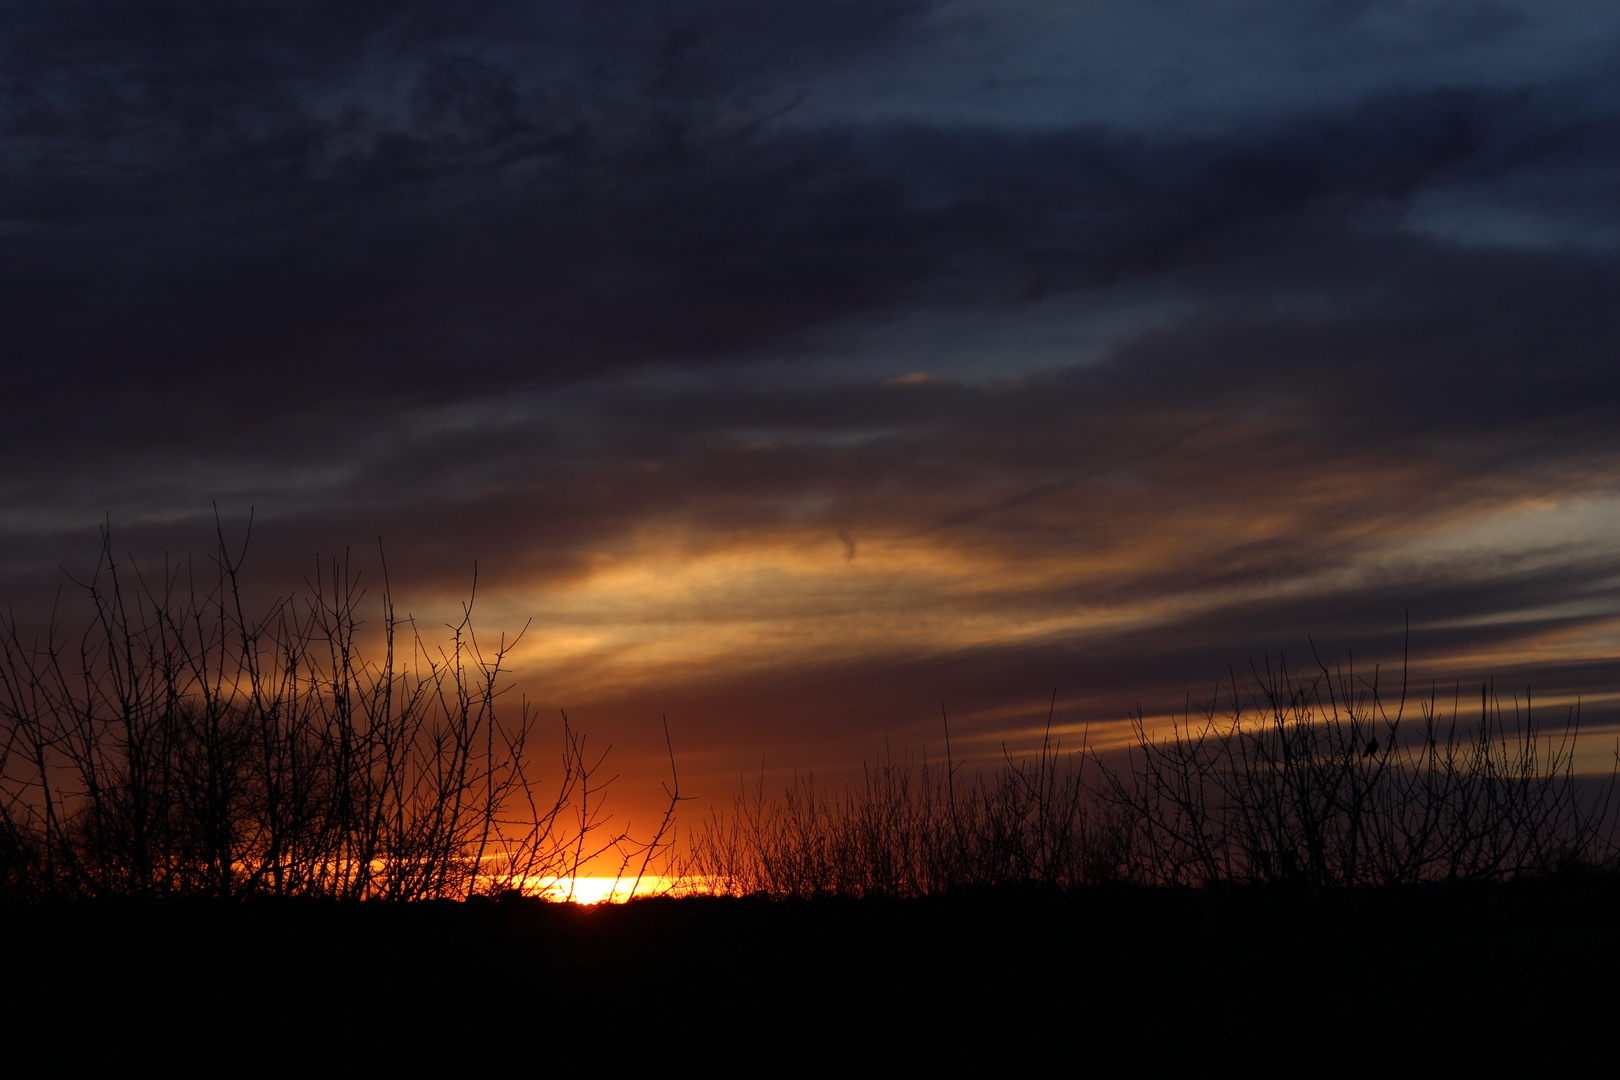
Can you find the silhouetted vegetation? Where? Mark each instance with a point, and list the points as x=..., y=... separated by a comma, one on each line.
x=916, y=827
x=179, y=747
x=188, y=795
x=1321, y=781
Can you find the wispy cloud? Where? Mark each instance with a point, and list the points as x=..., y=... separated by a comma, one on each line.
x=802, y=369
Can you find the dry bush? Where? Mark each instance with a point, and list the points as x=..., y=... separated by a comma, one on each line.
x=179, y=747
x=1323, y=781
x=1327, y=781
x=916, y=828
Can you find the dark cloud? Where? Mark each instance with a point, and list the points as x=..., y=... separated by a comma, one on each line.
x=527, y=284
x=215, y=212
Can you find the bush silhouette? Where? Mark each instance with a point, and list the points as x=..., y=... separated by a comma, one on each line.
x=1326, y=781
x=178, y=747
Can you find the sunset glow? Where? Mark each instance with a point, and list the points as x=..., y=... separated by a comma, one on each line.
x=829, y=536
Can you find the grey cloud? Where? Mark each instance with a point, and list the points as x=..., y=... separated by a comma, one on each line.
x=508, y=284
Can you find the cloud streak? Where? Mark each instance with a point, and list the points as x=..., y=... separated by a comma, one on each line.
x=798, y=372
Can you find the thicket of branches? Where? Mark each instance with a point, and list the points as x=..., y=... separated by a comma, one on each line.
x=181, y=747
x=1323, y=781
x=914, y=827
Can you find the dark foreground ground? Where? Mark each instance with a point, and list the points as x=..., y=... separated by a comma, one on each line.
x=1116, y=982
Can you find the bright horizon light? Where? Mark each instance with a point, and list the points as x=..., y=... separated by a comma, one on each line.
x=591, y=890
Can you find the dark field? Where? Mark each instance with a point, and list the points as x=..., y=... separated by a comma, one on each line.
x=1516, y=975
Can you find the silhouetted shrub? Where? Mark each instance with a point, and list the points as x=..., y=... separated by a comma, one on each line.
x=1321, y=781
x=1327, y=781
x=917, y=828
x=178, y=747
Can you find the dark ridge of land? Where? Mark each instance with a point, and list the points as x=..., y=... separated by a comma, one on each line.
x=1152, y=979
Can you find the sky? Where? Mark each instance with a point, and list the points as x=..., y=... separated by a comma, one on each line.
x=792, y=370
